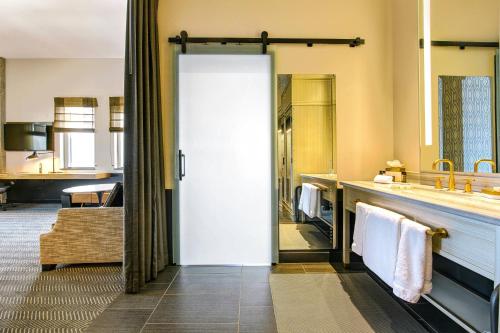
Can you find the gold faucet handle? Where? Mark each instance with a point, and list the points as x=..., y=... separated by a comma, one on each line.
x=468, y=185
x=438, y=184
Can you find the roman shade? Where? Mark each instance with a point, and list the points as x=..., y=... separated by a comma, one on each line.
x=116, y=114
x=74, y=114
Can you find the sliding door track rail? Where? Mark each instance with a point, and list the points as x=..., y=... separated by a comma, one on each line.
x=183, y=39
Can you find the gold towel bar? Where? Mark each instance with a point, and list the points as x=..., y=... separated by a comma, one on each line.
x=320, y=186
x=439, y=232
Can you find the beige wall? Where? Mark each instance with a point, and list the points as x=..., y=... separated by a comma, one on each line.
x=405, y=62
x=32, y=84
x=364, y=74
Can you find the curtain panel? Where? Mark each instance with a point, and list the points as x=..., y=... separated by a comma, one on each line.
x=146, y=250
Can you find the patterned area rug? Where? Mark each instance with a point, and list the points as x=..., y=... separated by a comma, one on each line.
x=63, y=300
x=336, y=303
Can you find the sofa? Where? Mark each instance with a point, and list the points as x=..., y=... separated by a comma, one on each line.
x=83, y=235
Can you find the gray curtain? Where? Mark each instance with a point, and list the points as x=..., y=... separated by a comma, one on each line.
x=450, y=120
x=145, y=216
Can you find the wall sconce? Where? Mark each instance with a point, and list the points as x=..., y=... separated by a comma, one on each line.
x=35, y=155
x=427, y=73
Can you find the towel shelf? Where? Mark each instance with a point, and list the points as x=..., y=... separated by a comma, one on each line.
x=439, y=232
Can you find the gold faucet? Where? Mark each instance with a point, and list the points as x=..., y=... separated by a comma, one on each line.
x=491, y=162
x=451, y=181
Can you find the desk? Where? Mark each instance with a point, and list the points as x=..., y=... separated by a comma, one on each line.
x=54, y=176
x=98, y=189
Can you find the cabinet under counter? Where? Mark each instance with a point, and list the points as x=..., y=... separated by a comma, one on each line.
x=473, y=226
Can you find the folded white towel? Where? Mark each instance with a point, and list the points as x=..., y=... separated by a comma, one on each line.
x=304, y=197
x=310, y=200
x=362, y=211
x=382, y=179
x=380, y=244
x=413, y=275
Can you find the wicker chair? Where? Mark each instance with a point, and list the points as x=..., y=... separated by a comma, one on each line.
x=83, y=235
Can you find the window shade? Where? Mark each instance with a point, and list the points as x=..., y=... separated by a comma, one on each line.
x=74, y=114
x=116, y=114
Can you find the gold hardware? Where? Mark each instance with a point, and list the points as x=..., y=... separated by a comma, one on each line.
x=451, y=181
x=439, y=233
x=438, y=184
x=468, y=185
x=491, y=162
x=320, y=186
x=490, y=191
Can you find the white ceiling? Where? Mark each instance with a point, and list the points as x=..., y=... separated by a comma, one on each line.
x=62, y=28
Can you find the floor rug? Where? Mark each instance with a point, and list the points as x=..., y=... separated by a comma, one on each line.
x=336, y=303
x=63, y=300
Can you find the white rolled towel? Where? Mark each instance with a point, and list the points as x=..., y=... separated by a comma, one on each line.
x=382, y=179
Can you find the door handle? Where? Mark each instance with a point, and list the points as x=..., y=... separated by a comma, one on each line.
x=182, y=165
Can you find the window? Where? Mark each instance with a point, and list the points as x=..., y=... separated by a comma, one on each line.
x=77, y=150
x=116, y=122
x=117, y=150
x=74, y=122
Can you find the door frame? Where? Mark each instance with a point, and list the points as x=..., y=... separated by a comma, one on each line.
x=222, y=50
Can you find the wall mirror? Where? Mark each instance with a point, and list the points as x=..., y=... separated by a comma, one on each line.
x=306, y=136
x=459, y=83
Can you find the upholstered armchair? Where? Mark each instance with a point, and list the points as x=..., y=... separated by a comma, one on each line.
x=83, y=235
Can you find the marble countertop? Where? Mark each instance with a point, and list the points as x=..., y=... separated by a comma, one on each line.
x=469, y=205
x=331, y=177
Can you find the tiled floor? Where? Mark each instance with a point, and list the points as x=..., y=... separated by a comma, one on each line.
x=225, y=299
x=198, y=299
x=299, y=236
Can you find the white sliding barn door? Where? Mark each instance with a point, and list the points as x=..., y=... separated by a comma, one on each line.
x=225, y=135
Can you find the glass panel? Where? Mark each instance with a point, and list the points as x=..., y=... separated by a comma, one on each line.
x=118, y=150
x=78, y=150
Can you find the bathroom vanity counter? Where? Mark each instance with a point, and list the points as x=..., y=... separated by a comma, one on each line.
x=328, y=183
x=473, y=242
x=465, y=204
x=329, y=177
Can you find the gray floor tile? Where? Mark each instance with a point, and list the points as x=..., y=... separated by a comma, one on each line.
x=191, y=328
x=148, y=298
x=256, y=274
x=119, y=321
x=207, y=308
x=167, y=275
x=256, y=294
x=211, y=270
x=206, y=284
x=257, y=319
